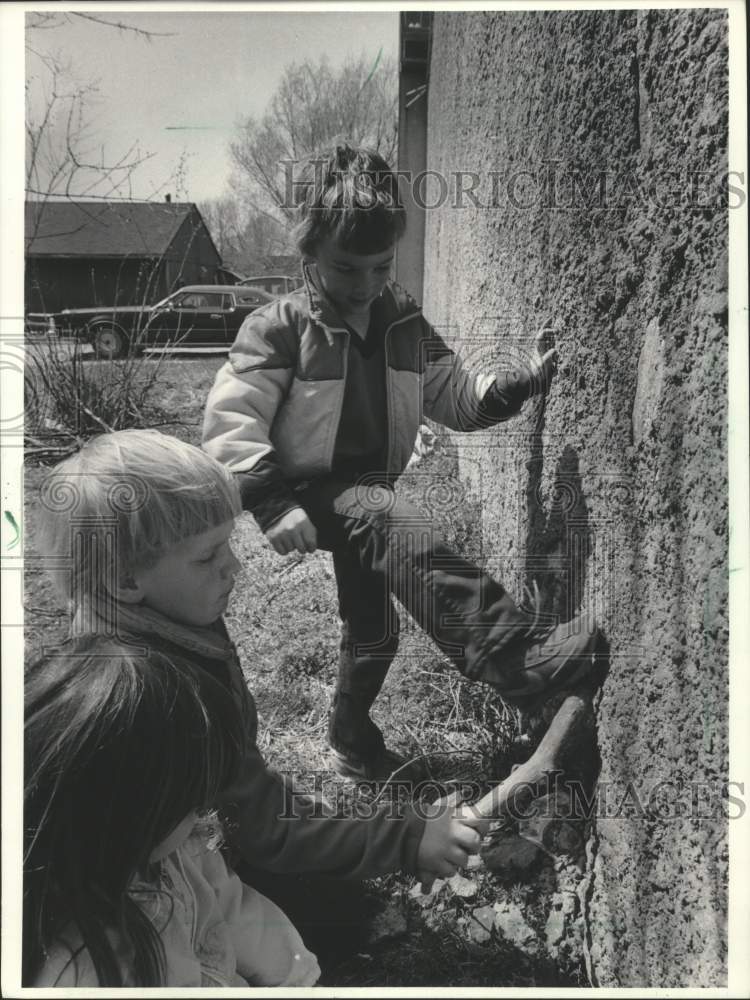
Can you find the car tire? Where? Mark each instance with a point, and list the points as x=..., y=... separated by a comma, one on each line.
x=108, y=342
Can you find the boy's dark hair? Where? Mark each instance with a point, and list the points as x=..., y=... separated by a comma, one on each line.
x=349, y=194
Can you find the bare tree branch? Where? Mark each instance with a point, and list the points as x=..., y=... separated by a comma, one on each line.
x=38, y=20
x=121, y=26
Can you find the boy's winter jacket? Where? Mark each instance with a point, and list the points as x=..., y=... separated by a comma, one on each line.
x=273, y=825
x=273, y=413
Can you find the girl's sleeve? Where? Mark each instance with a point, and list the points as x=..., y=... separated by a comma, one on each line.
x=268, y=947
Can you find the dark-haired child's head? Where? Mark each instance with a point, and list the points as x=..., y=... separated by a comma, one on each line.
x=350, y=196
x=349, y=221
x=120, y=751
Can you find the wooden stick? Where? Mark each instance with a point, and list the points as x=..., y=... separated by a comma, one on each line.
x=574, y=719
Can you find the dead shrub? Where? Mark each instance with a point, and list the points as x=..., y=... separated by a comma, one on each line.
x=70, y=396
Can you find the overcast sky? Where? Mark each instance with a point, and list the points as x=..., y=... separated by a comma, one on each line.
x=185, y=91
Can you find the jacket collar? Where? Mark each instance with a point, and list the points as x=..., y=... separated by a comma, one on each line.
x=395, y=303
x=107, y=616
x=321, y=308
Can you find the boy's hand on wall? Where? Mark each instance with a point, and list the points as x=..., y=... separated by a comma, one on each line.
x=450, y=835
x=543, y=361
x=294, y=532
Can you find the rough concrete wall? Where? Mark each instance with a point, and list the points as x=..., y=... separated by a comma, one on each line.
x=616, y=497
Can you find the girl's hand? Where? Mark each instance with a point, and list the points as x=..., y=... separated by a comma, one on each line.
x=293, y=532
x=543, y=361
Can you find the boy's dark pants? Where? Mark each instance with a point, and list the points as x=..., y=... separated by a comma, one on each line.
x=384, y=545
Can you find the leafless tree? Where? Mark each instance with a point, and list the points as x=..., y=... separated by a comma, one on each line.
x=312, y=105
x=244, y=236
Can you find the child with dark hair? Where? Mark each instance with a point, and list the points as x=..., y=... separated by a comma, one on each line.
x=316, y=413
x=121, y=884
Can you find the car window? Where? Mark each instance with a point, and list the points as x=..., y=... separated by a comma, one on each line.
x=265, y=284
x=273, y=284
x=202, y=300
x=250, y=299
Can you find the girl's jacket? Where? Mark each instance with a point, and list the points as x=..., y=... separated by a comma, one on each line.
x=273, y=413
x=215, y=930
x=272, y=823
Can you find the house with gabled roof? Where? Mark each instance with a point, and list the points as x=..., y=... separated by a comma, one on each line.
x=104, y=253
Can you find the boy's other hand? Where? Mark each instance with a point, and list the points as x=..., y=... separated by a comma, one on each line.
x=543, y=361
x=294, y=532
x=451, y=834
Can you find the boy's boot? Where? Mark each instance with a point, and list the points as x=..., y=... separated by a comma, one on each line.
x=358, y=749
x=369, y=640
x=357, y=745
x=377, y=762
x=556, y=657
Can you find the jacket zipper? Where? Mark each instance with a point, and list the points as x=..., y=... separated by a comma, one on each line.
x=388, y=390
x=339, y=405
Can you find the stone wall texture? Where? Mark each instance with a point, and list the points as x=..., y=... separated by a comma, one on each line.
x=615, y=496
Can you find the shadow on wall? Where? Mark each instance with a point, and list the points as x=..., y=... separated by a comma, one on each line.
x=559, y=543
x=558, y=532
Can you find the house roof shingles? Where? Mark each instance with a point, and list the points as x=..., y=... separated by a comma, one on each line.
x=102, y=229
